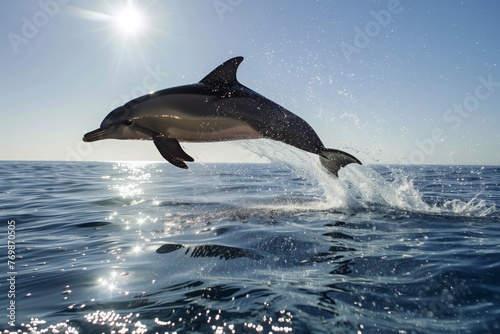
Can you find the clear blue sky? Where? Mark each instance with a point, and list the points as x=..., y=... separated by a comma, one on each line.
x=419, y=86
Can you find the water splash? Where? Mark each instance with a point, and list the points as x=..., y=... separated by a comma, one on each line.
x=475, y=207
x=363, y=187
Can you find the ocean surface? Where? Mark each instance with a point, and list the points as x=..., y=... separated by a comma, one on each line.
x=121, y=247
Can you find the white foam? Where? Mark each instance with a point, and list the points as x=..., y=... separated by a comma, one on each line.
x=474, y=207
x=360, y=187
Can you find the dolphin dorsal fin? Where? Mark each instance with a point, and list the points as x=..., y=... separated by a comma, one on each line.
x=224, y=75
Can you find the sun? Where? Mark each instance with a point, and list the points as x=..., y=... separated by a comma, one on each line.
x=129, y=20
x=123, y=27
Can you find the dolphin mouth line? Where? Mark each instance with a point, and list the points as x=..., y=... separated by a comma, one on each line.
x=95, y=135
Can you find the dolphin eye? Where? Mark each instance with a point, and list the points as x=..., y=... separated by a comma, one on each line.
x=128, y=122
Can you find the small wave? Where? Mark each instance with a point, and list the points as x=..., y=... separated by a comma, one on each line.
x=475, y=207
x=118, y=201
x=93, y=224
x=220, y=251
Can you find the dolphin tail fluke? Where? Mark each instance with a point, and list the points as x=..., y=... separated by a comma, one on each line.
x=333, y=160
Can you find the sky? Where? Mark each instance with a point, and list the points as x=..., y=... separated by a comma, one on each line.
x=391, y=82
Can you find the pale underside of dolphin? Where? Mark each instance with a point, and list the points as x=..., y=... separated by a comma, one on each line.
x=218, y=108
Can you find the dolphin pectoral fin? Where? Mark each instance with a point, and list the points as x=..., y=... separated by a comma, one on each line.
x=225, y=74
x=173, y=147
x=172, y=151
x=333, y=160
x=170, y=158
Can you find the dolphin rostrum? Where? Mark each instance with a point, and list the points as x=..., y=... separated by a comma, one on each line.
x=218, y=108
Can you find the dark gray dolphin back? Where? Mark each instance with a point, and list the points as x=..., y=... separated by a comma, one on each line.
x=277, y=123
x=224, y=75
x=267, y=117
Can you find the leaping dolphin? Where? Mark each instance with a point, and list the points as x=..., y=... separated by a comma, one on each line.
x=218, y=108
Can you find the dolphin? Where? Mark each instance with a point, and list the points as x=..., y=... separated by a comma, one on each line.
x=218, y=108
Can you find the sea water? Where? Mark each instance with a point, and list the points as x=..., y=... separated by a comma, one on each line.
x=117, y=247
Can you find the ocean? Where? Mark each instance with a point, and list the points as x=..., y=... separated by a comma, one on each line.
x=282, y=247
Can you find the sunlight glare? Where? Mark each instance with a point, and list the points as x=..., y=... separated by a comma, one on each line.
x=129, y=20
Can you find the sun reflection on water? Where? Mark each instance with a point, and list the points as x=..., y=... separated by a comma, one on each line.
x=134, y=175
